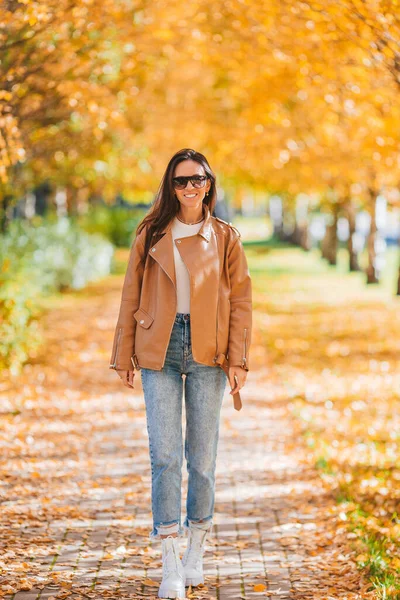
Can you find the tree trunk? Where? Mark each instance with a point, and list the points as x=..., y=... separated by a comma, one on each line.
x=330, y=242
x=288, y=222
x=372, y=276
x=302, y=238
x=42, y=194
x=296, y=235
x=398, y=284
x=4, y=217
x=71, y=201
x=351, y=218
x=305, y=240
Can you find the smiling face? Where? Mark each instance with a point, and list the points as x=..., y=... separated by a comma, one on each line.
x=191, y=196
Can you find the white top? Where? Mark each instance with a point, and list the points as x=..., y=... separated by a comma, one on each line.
x=180, y=230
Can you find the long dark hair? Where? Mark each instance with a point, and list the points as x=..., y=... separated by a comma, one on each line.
x=166, y=205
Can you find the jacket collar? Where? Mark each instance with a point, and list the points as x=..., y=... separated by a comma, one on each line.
x=205, y=229
x=163, y=251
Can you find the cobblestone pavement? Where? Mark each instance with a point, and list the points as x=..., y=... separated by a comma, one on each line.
x=75, y=495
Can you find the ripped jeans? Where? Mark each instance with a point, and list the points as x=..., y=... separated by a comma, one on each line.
x=163, y=392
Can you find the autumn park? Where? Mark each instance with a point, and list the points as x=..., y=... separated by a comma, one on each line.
x=296, y=105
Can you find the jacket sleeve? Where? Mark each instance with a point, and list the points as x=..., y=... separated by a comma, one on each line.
x=124, y=336
x=240, y=322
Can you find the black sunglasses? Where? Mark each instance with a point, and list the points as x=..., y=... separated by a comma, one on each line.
x=198, y=181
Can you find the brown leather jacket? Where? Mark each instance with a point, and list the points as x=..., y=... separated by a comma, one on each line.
x=220, y=300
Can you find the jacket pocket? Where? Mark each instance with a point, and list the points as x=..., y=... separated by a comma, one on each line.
x=143, y=318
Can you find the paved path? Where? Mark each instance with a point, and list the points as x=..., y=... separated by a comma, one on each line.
x=76, y=482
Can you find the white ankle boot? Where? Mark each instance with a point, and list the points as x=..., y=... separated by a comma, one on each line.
x=173, y=580
x=193, y=558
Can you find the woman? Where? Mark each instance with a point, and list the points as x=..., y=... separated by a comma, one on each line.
x=186, y=309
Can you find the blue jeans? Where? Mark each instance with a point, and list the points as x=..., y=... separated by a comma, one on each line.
x=163, y=391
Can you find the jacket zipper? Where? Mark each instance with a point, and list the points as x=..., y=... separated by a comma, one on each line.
x=245, y=348
x=114, y=364
x=216, y=336
x=170, y=332
x=173, y=321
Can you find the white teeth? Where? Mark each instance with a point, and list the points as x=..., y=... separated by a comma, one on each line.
x=190, y=195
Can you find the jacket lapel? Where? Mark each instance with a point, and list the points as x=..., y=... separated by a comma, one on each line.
x=163, y=251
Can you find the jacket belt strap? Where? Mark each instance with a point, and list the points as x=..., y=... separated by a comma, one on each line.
x=223, y=363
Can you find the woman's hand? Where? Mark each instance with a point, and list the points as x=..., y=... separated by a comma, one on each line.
x=127, y=377
x=240, y=375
